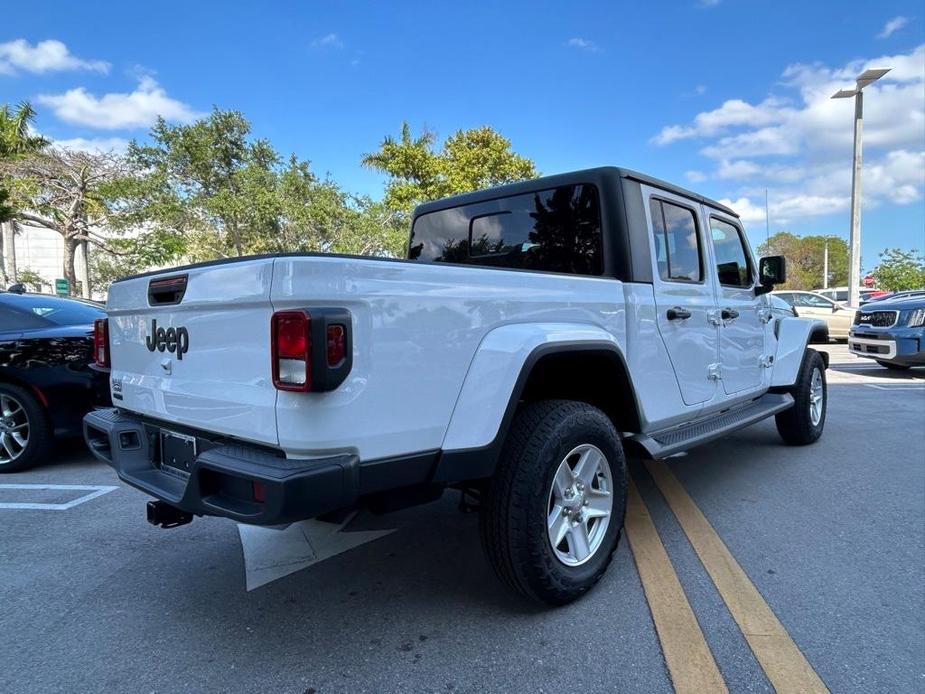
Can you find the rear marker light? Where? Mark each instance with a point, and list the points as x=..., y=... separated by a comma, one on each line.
x=101, y=342
x=290, y=336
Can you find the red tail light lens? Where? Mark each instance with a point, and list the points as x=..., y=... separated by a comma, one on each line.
x=290, y=336
x=336, y=344
x=101, y=342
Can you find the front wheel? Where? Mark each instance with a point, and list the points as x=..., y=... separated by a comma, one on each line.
x=553, y=512
x=25, y=435
x=802, y=424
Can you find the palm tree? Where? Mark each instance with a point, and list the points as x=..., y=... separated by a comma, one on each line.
x=16, y=138
x=16, y=141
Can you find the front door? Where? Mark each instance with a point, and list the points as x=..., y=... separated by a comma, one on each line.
x=742, y=332
x=684, y=297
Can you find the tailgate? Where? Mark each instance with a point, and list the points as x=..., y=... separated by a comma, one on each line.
x=200, y=355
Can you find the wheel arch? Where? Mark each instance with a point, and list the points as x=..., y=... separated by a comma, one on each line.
x=588, y=369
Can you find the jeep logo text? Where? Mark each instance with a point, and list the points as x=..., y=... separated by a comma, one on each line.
x=171, y=339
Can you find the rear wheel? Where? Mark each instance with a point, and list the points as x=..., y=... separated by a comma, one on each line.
x=892, y=366
x=25, y=435
x=553, y=512
x=803, y=423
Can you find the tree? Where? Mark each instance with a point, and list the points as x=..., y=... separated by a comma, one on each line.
x=16, y=141
x=900, y=270
x=805, y=259
x=468, y=160
x=32, y=280
x=63, y=190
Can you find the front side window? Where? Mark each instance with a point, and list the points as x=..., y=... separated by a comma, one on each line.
x=732, y=266
x=677, y=244
x=556, y=230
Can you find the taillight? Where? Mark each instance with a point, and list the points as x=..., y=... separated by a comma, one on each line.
x=336, y=344
x=291, y=346
x=311, y=348
x=101, y=342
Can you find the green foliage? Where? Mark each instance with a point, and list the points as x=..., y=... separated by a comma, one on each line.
x=805, y=259
x=32, y=280
x=16, y=141
x=900, y=270
x=468, y=160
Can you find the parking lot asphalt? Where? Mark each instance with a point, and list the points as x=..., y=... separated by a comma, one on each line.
x=830, y=536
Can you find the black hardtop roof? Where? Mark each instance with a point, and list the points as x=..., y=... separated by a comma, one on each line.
x=561, y=179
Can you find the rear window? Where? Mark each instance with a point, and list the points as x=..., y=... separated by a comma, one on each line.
x=24, y=312
x=555, y=230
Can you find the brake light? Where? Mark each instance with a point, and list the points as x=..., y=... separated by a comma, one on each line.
x=336, y=344
x=290, y=337
x=101, y=342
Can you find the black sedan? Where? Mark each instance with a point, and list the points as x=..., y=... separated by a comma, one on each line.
x=46, y=384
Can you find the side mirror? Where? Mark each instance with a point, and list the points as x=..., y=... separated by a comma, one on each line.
x=771, y=271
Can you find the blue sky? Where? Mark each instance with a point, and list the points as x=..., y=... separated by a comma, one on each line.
x=727, y=97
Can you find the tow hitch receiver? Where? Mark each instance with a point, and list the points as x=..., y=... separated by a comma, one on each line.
x=164, y=515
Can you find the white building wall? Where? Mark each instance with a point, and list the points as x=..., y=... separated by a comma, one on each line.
x=42, y=251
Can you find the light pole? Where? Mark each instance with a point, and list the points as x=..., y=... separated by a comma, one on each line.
x=825, y=264
x=854, y=244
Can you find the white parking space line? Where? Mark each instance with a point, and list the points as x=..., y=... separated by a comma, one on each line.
x=94, y=490
x=897, y=386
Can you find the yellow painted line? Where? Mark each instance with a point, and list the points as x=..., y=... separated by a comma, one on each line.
x=690, y=663
x=783, y=663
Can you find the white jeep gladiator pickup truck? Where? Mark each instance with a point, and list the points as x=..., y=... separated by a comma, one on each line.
x=534, y=333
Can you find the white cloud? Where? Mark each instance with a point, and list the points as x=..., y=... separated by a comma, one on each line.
x=44, y=56
x=328, y=41
x=892, y=26
x=138, y=109
x=94, y=144
x=797, y=141
x=583, y=44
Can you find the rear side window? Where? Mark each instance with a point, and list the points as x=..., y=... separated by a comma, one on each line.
x=677, y=244
x=732, y=266
x=555, y=230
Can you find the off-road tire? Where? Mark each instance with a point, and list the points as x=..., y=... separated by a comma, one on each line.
x=39, y=442
x=795, y=425
x=514, y=510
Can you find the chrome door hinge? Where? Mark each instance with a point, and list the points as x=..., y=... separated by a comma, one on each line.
x=766, y=361
x=764, y=315
x=715, y=372
x=713, y=317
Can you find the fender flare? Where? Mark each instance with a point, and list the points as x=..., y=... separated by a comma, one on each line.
x=792, y=339
x=480, y=421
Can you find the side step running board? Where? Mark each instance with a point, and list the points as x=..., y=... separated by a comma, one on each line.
x=662, y=444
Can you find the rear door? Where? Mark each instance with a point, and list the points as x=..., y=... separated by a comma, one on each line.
x=742, y=335
x=197, y=354
x=683, y=292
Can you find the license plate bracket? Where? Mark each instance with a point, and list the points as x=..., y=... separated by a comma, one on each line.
x=178, y=452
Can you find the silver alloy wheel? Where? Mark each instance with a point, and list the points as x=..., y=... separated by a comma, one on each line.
x=580, y=504
x=816, y=398
x=14, y=429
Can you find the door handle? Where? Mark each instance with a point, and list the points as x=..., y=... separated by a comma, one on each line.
x=678, y=313
x=728, y=314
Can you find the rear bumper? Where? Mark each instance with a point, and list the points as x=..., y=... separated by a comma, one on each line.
x=222, y=476
x=904, y=346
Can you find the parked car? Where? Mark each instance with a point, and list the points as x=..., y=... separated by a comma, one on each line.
x=840, y=294
x=813, y=305
x=892, y=332
x=532, y=333
x=781, y=309
x=46, y=383
x=898, y=295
